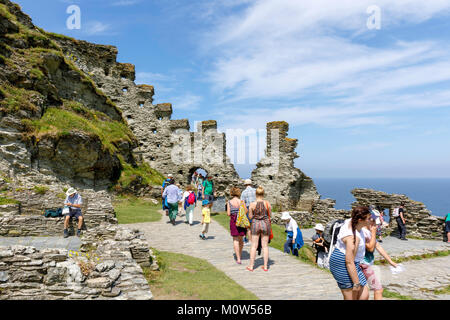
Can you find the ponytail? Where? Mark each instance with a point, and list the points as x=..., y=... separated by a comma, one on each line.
x=358, y=213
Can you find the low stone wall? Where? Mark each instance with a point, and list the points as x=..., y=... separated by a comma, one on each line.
x=419, y=221
x=28, y=226
x=107, y=269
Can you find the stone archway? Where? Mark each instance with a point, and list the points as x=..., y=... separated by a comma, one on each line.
x=197, y=169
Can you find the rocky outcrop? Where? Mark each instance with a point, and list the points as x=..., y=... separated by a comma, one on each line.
x=286, y=186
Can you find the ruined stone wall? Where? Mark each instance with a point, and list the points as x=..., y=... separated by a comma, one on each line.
x=419, y=221
x=286, y=186
x=152, y=124
x=109, y=270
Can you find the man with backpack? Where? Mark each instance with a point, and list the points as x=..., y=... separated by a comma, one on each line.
x=189, y=202
x=208, y=189
x=398, y=214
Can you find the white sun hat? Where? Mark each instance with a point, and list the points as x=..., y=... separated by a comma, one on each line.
x=169, y=175
x=247, y=182
x=319, y=227
x=71, y=191
x=285, y=216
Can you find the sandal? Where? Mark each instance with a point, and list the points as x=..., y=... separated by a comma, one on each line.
x=248, y=268
x=238, y=262
x=265, y=269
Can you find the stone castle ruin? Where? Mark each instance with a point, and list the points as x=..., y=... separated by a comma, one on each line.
x=40, y=72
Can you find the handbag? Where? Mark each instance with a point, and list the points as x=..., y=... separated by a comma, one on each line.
x=241, y=219
x=270, y=221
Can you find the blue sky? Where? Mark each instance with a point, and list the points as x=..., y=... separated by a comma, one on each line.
x=362, y=102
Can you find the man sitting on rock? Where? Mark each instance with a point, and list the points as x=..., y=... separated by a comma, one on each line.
x=73, y=202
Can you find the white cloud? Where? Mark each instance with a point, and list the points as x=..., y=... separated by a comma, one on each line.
x=123, y=3
x=291, y=51
x=186, y=102
x=96, y=28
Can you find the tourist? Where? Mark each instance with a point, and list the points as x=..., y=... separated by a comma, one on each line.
x=73, y=203
x=318, y=242
x=236, y=232
x=208, y=189
x=248, y=196
x=260, y=212
x=189, y=206
x=166, y=181
x=378, y=220
x=199, y=186
x=372, y=272
x=399, y=215
x=348, y=253
x=173, y=194
x=194, y=179
x=447, y=227
x=294, y=239
x=206, y=218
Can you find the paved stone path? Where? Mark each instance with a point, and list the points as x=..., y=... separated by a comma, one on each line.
x=420, y=278
x=287, y=278
x=70, y=243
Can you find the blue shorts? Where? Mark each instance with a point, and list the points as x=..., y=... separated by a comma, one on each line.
x=74, y=213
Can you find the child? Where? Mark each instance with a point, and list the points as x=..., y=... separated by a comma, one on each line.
x=206, y=217
x=367, y=264
x=189, y=207
x=321, y=250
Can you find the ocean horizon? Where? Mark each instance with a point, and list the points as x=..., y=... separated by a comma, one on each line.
x=433, y=192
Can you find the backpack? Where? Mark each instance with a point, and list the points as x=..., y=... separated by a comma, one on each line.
x=53, y=213
x=191, y=198
x=329, y=237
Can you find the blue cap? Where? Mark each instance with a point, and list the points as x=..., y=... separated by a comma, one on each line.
x=205, y=202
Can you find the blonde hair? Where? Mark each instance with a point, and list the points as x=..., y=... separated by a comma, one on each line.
x=235, y=192
x=260, y=191
x=189, y=188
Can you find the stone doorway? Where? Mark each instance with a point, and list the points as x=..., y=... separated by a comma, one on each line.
x=199, y=170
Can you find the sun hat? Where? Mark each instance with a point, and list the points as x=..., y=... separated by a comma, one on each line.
x=319, y=227
x=205, y=202
x=71, y=191
x=169, y=175
x=285, y=216
x=247, y=182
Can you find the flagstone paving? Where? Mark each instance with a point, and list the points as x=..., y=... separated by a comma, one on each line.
x=288, y=278
x=70, y=243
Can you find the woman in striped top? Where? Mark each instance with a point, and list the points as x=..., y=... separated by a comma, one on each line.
x=348, y=253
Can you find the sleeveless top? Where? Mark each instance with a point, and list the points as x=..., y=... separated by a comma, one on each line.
x=260, y=212
x=234, y=210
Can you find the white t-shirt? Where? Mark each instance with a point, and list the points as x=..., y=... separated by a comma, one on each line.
x=345, y=231
x=292, y=226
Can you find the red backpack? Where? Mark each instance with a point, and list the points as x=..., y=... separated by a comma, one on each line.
x=191, y=198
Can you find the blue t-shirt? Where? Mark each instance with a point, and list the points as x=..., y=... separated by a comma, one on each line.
x=448, y=217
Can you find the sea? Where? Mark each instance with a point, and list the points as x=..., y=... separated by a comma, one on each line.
x=434, y=193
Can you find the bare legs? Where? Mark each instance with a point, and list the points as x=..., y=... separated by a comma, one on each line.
x=66, y=222
x=361, y=294
x=238, y=244
x=265, y=247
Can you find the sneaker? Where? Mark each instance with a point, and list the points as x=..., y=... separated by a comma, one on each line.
x=66, y=233
x=201, y=236
x=404, y=239
x=78, y=232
